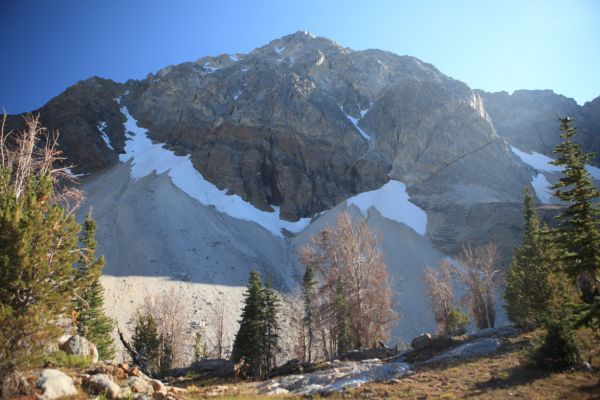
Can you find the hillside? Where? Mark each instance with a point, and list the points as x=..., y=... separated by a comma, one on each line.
x=208, y=168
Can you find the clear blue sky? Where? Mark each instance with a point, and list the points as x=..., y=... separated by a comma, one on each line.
x=491, y=45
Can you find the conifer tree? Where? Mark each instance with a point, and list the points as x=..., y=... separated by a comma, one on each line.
x=578, y=233
x=536, y=288
x=200, y=347
x=92, y=321
x=271, y=326
x=38, y=247
x=310, y=309
x=249, y=341
x=148, y=344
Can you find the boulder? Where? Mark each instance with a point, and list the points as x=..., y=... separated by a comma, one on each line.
x=421, y=342
x=80, y=346
x=177, y=391
x=139, y=385
x=55, y=384
x=368, y=354
x=157, y=385
x=14, y=384
x=473, y=349
x=144, y=396
x=103, y=383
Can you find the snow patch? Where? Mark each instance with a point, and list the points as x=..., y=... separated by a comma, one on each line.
x=355, y=121
x=342, y=376
x=234, y=58
x=102, y=128
x=147, y=157
x=542, y=163
x=321, y=59
x=74, y=175
x=279, y=50
x=536, y=160
x=237, y=95
x=210, y=68
x=593, y=171
x=393, y=202
x=542, y=188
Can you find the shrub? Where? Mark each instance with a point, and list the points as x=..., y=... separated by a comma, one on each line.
x=457, y=322
x=64, y=360
x=558, y=349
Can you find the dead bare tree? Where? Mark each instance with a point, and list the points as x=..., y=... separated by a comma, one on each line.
x=219, y=324
x=34, y=152
x=478, y=270
x=170, y=312
x=438, y=285
x=348, y=256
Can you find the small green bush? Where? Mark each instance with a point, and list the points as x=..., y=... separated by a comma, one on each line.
x=457, y=322
x=558, y=349
x=62, y=359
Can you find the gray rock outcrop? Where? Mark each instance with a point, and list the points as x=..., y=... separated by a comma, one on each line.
x=103, y=383
x=421, y=342
x=80, y=346
x=55, y=384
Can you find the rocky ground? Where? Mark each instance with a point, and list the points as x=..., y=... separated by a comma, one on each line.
x=209, y=262
x=487, y=364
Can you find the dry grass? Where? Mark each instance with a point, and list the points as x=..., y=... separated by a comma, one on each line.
x=506, y=375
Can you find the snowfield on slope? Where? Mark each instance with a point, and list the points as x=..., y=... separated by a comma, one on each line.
x=537, y=161
x=355, y=122
x=543, y=164
x=392, y=202
x=147, y=157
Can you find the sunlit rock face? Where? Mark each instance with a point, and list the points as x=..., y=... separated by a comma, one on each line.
x=209, y=168
x=302, y=123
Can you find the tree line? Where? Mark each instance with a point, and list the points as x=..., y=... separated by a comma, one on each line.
x=49, y=269
x=553, y=280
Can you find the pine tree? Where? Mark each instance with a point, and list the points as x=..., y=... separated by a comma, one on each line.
x=200, y=347
x=310, y=310
x=578, y=233
x=271, y=326
x=38, y=247
x=536, y=288
x=92, y=321
x=249, y=341
x=148, y=344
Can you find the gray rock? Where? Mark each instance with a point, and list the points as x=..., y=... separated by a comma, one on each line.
x=80, y=346
x=421, y=342
x=341, y=376
x=103, y=383
x=139, y=385
x=476, y=348
x=586, y=366
x=55, y=384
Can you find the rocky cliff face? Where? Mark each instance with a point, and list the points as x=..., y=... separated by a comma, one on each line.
x=303, y=124
x=527, y=119
x=311, y=129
